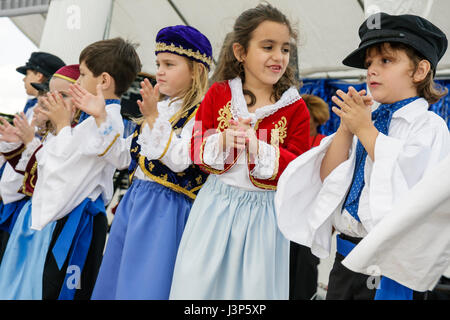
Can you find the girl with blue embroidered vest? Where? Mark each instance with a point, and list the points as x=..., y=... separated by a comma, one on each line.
x=148, y=223
x=250, y=125
x=359, y=174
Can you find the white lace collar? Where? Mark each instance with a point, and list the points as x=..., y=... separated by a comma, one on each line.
x=169, y=109
x=239, y=105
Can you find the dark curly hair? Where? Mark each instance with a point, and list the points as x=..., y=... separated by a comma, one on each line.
x=229, y=67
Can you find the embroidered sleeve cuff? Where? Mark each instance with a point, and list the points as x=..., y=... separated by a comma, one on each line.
x=155, y=142
x=106, y=136
x=212, y=156
x=6, y=147
x=266, y=162
x=27, y=154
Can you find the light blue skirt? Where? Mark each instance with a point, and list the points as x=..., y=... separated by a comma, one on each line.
x=143, y=242
x=22, y=266
x=231, y=247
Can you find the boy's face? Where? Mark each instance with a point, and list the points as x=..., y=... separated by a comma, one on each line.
x=31, y=76
x=389, y=75
x=87, y=80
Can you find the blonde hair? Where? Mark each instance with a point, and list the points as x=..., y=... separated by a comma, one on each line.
x=318, y=108
x=193, y=95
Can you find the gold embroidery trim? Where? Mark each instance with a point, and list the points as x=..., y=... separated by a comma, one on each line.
x=279, y=131
x=224, y=117
x=111, y=144
x=164, y=182
x=161, y=46
x=32, y=174
x=277, y=163
x=15, y=154
x=167, y=146
x=64, y=77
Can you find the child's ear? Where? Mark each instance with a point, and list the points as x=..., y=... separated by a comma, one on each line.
x=107, y=80
x=239, y=52
x=423, y=68
x=41, y=77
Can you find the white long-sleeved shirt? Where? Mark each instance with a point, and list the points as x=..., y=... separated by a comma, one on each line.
x=69, y=170
x=307, y=208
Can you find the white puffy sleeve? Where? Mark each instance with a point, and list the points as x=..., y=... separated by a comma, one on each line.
x=107, y=142
x=305, y=205
x=212, y=155
x=400, y=162
x=265, y=162
x=164, y=144
x=27, y=154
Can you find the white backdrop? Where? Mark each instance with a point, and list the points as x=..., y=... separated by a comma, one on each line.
x=328, y=29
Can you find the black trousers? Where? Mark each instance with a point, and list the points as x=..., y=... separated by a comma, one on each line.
x=303, y=272
x=53, y=278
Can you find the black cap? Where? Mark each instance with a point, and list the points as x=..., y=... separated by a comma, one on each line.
x=411, y=30
x=41, y=87
x=43, y=62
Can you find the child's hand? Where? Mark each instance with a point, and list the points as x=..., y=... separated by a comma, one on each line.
x=87, y=102
x=57, y=111
x=355, y=111
x=232, y=138
x=8, y=132
x=25, y=131
x=251, y=140
x=149, y=104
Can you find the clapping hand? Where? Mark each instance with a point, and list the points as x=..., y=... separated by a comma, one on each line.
x=93, y=105
x=8, y=132
x=149, y=103
x=25, y=130
x=354, y=109
x=57, y=110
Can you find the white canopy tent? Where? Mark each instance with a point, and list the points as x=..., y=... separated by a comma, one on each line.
x=327, y=28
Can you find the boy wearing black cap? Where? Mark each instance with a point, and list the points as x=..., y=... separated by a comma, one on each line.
x=365, y=168
x=38, y=69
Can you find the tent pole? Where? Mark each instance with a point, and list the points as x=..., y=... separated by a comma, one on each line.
x=108, y=21
x=174, y=7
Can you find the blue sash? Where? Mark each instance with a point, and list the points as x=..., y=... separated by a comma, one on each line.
x=9, y=213
x=74, y=242
x=388, y=289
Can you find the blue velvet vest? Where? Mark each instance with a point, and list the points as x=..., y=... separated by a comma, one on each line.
x=187, y=182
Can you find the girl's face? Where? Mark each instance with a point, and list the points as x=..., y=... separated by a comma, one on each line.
x=173, y=75
x=267, y=55
x=62, y=86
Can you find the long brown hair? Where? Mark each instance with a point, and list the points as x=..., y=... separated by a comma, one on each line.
x=229, y=67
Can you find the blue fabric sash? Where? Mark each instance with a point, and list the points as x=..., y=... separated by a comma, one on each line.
x=388, y=289
x=9, y=213
x=30, y=104
x=74, y=241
